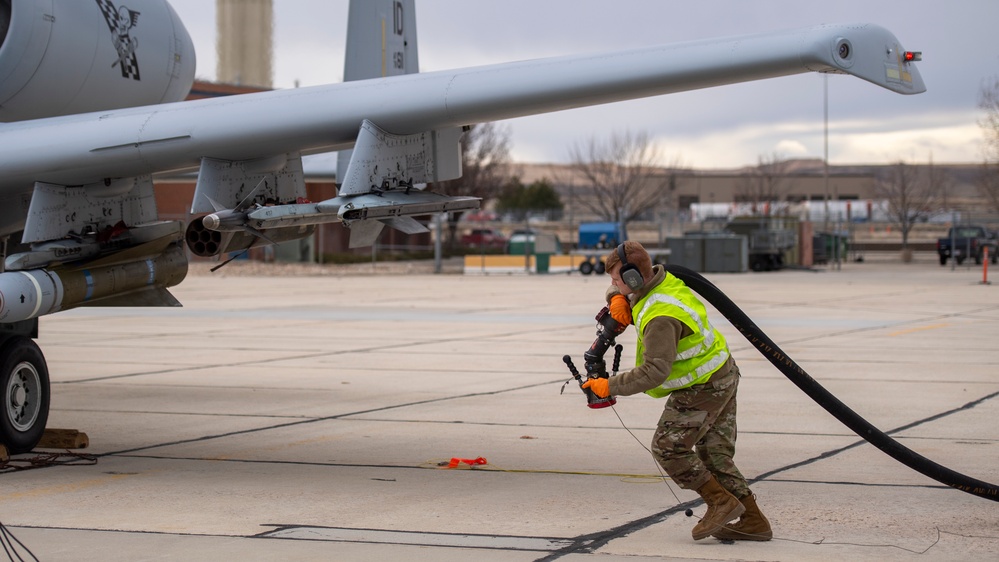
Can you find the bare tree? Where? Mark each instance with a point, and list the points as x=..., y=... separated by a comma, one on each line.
x=623, y=175
x=766, y=186
x=988, y=183
x=912, y=195
x=485, y=166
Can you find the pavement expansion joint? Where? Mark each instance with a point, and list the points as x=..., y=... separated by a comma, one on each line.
x=384, y=536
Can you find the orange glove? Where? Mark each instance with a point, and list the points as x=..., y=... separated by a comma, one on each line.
x=620, y=309
x=600, y=387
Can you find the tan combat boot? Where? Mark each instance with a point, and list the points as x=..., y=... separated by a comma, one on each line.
x=722, y=508
x=753, y=526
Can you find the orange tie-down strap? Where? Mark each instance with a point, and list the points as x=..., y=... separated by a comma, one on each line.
x=455, y=461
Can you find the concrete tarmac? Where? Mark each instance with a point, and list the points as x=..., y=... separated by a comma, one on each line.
x=307, y=416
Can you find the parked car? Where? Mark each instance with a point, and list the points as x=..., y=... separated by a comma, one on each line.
x=484, y=238
x=969, y=241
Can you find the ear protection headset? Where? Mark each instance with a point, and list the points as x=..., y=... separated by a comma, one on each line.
x=629, y=273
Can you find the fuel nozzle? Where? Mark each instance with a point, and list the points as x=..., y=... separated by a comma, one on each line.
x=607, y=331
x=593, y=359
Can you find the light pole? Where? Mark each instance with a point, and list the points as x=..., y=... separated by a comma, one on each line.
x=825, y=136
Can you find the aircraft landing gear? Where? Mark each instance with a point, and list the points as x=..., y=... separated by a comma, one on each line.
x=24, y=381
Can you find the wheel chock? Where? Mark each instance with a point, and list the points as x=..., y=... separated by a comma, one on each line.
x=63, y=439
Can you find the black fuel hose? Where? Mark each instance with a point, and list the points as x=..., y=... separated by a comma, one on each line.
x=823, y=397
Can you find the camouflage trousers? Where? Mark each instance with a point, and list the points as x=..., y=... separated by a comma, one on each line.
x=696, y=434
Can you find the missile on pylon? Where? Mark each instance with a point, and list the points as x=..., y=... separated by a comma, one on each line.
x=225, y=220
x=228, y=230
x=365, y=215
x=90, y=246
x=205, y=242
x=389, y=204
x=48, y=253
x=31, y=293
x=396, y=203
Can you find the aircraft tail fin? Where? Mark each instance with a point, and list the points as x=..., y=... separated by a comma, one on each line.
x=381, y=41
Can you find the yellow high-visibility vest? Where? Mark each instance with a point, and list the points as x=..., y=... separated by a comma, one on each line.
x=698, y=355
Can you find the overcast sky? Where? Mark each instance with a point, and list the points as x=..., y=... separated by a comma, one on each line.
x=728, y=126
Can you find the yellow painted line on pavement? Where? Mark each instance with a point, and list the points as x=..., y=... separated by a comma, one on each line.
x=65, y=488
x=919, y=329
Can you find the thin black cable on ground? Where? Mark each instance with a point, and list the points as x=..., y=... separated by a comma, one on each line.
x=823, y=397
x=8, y=540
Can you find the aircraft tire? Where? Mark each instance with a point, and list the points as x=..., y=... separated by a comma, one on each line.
x=24, y=379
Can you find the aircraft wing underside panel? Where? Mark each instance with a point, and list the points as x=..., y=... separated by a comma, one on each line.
x=57, y=211
x=223, y=184
x=381, y=160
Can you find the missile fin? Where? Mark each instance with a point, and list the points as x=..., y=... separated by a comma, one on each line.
x=215, y=204
x=152, y=296
x=258, y=234
x=364, y=233
x=408, y=225
x=247, y=202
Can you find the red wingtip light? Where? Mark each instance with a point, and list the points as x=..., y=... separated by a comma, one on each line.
x=912, y=56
